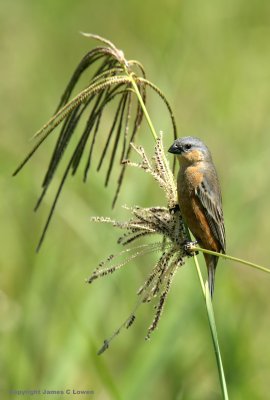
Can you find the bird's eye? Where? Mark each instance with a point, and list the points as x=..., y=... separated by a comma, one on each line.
x=187, y=146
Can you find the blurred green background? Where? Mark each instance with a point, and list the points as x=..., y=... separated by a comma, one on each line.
x=212, y=59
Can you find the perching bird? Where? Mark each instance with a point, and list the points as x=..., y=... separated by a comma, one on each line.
x=199, y=198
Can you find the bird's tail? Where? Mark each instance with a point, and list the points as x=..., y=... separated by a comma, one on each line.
x=211, y=262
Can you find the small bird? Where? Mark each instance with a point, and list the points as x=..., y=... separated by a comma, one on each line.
x=199, y=199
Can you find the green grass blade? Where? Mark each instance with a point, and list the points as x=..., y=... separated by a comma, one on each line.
x=212, y=324
x=227, y=257
x=213, y=329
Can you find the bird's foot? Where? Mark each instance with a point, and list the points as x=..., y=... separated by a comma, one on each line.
x=188, y=247
x=173, y=210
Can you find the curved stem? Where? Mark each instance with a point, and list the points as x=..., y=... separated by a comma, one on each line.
x=205, y=288
x=199, y=274
x=151, y=126
x=213, y=329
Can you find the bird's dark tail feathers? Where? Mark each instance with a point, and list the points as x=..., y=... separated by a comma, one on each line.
x=211, y=262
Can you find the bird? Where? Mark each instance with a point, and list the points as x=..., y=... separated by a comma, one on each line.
x=200, y=200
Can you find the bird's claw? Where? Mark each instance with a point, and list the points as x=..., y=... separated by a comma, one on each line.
x=188, y=248
x=174, y=209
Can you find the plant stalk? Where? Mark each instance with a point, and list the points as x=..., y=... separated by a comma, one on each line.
x=205, y=289
x=148, y=119
x=226, y=256
x=213, y=329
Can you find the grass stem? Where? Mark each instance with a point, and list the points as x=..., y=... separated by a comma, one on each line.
x=148, y=119
x=227, y=257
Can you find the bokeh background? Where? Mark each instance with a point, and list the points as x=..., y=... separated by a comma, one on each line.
x=212, y=59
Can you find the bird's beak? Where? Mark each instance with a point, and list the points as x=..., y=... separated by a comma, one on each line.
x=175, y=148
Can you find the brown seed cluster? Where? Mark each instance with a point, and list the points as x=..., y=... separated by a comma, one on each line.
x=166, y=222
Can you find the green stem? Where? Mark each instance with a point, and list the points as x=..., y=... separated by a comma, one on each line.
x=226, y=256
x=205, y=289
x=213, y=329
x=151, y=126
x=199, y=274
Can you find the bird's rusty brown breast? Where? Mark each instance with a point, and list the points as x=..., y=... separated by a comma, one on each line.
x=189, y=178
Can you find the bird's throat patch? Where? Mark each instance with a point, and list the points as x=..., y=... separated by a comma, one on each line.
x=194, y=156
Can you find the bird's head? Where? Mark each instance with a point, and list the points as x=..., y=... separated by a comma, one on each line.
x=190, y=149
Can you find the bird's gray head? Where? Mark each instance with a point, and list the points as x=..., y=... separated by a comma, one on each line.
x=190, y=149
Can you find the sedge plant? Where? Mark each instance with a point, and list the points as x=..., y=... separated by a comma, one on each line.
x=116, y=80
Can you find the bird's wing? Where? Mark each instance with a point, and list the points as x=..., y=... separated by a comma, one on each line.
x=211, y=202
